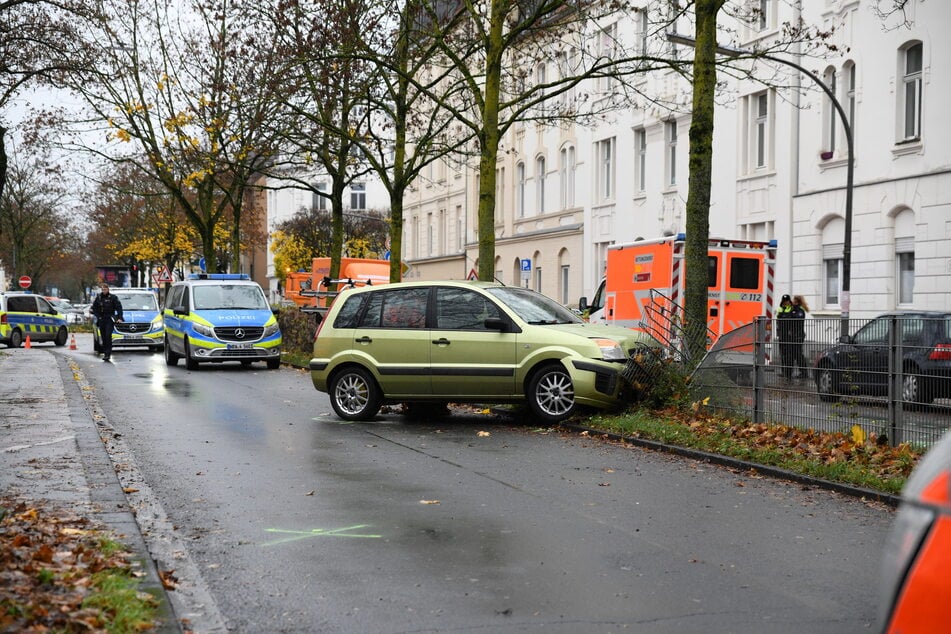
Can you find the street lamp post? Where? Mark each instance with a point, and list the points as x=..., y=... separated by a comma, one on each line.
x=847, y=125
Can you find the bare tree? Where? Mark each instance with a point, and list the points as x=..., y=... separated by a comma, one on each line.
x=186, y=94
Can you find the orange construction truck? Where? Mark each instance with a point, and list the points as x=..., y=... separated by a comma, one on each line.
x=644, y=285
x=307, y=288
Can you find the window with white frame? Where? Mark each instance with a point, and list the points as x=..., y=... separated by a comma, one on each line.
x=605, y=169
x=415, y=245
x=565, y=276
x=520, y=189
x=643, y=32
x=566, y=171
x=760, y=149
x=849, y=72
x=905, y=261
x=910, y=110
x=430, y=238
x=608, y=44
x=460, y=228
x=640, y=160
x=830, y=118
x=674, y=11
x=499, y=194
x=764, y=15
x=358, y=195
x=538, y=279
x=670, y=164
x=318, y=201
x=832, y=263
x=540, y=169
x=441, y=233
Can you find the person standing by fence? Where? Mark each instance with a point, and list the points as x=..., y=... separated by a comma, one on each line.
x=791, y=328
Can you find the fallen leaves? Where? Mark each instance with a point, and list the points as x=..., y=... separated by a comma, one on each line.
x=429, y=501
x=48, y=566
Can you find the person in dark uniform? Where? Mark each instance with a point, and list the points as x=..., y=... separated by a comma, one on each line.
x=791, y=327
x=107, y=310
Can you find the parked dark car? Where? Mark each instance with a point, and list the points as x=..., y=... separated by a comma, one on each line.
x=859, y=364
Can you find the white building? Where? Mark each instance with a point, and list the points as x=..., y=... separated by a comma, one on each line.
x=566, y=193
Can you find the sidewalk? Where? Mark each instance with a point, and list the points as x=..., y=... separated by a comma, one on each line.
x=51, y=454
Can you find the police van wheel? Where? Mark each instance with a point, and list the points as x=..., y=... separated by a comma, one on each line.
x=16, y=338
x=190, y=363
x=61, y=337
x=171, y=359
x=273, y=364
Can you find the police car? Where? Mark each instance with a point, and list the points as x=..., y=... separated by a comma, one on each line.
x=142, y=324
x=25, y=315
x=217, y=317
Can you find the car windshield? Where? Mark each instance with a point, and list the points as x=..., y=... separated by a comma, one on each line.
x=137, y=301
x=229, y=296
x=533, y=307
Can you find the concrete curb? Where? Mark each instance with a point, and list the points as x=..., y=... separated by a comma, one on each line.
x=735, y=463
x=109, y=503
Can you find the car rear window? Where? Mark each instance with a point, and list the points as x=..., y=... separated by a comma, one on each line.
x=347, y=317
x=21, y=304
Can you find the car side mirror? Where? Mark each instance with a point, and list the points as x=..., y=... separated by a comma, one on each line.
x=583, y=304
x=845, y=339
x=276, y=310
x=495, y=323
x=180, y=310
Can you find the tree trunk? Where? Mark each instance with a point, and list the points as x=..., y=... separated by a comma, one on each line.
x=701, y=165
x=489, y=141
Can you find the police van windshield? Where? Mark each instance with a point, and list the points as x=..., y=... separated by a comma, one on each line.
x=137, y=301
x=228, y=296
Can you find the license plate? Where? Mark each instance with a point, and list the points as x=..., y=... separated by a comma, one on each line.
x=128, y=339
x=239, y=346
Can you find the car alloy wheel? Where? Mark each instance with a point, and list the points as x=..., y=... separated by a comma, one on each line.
x=551, y=394
x=826, y=384
x=354, y=394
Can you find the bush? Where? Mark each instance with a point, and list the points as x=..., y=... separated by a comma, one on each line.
x=297, y=329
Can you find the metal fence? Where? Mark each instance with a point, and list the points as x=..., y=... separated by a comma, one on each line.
x=890, y=376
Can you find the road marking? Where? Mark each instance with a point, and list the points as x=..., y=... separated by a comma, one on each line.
x=318, y=532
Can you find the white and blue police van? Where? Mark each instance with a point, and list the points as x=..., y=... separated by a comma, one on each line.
x=25, y=315
x=142, y=323
x=218, y=317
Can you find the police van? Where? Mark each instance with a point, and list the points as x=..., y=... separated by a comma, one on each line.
x=217, y=317
x=141, y=325
x=25, y=315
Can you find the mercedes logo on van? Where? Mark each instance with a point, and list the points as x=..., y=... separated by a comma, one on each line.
x=133, y=327
x=239, y=333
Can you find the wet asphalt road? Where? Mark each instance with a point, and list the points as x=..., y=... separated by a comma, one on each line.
x=299, y=522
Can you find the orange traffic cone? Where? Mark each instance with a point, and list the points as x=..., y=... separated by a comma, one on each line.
x=72, y=342
x=28, y=344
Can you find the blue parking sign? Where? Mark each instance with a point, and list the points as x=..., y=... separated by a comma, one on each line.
x=526, y=264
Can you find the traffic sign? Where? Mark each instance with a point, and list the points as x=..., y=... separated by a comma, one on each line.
x=163, y=275
x=25, y=281
x=526, y=265
x=473, y=276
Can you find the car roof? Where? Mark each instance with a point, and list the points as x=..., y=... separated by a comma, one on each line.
x=427, y=284
x=914, y=313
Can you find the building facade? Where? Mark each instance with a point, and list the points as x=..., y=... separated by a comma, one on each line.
x=566, y=193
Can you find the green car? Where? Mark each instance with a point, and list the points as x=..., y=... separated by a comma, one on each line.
x=442, y=342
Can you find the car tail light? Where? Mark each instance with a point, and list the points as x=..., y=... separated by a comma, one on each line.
x=3, y=318
x=941, y=352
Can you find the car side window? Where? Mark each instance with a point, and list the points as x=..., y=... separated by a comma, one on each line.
x=911, y=328
x=874, y=332
x=44, y=306
x=347, y=317
x=398, y=308
x=462, y=309
x=21, y=304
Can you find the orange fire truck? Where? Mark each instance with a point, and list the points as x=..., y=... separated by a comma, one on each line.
x=644, y=285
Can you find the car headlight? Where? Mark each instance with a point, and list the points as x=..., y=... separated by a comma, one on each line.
x=204, y=330
x=610, y=349
x=271, y=330
x=157, y=324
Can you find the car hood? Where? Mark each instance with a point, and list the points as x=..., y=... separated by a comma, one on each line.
x=624, y=336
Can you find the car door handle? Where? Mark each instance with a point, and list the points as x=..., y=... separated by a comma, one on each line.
x=363, y=339
x=442, y=341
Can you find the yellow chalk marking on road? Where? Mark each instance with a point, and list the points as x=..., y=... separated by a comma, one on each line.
x=318, y=532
